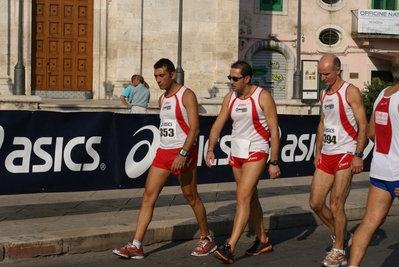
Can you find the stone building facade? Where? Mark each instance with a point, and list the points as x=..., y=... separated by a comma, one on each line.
x=127, y=37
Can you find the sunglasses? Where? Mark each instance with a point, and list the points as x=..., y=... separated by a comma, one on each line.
x=236, y=79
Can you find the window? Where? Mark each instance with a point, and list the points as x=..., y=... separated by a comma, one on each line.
x=332, y=5
x=330, y=2
x=329, y=36
x=384, y=4
x=271, y=5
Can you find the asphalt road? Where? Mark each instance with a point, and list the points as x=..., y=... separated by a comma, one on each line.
x=302, y=246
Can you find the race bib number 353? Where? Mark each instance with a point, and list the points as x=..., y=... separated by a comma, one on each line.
x=168, y=129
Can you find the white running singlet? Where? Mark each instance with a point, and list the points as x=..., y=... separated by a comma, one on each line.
x=249, y=121
x=385, y=162
x=174, y=125
x=340, y=127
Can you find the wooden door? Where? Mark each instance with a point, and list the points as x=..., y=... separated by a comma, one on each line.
x=62, y=58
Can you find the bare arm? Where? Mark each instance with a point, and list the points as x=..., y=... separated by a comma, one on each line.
x=371, y=128
x=270, y=112
x=356, y=102
x=319, y=137
x=124, y=102
x=191, y=105
x=216, y=129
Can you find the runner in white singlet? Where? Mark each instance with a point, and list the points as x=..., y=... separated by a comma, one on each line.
x=341, y=138
x=385, y=162
x=177, y=155
x=174, y=125
x=254, y=116
x=249, y=121
x=340, y=126
x=384, y=170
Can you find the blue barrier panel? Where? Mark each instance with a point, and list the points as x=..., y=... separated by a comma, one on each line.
x=53, y=151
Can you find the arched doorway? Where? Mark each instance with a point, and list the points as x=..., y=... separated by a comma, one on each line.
x=273, y=65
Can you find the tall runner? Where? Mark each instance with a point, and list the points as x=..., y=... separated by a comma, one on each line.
x=254, y=135
x=341, y=138
x=176, y=155
x=384, y=171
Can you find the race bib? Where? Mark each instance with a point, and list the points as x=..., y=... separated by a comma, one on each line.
x=240, y=148
x=168, y=129
x=381, y=118
x=331, y=134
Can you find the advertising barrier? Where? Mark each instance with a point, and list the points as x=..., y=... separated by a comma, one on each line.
x=53, y=151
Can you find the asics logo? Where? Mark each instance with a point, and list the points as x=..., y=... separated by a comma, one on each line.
x=187, y=163
x=134, y=168
x=344, y=164
x=1, y=136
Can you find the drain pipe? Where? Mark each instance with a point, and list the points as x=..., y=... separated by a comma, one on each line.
x=179, y=69
x=19, y=69
x=141, y=37
x=298, y=74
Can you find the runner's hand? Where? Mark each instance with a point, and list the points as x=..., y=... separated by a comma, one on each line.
x=274, y=171
x=357, y=165
x=178, y=163
x=210, y=158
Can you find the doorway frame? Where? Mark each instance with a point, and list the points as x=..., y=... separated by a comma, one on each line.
x=100, y=11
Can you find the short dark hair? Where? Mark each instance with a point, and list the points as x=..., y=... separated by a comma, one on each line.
x=165, y=62
x=246, y=69
x=336, y=63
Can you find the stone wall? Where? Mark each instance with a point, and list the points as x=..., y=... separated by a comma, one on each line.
x=129, y=36
x=139, y=37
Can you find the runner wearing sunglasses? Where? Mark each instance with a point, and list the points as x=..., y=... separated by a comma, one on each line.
x=254, y=115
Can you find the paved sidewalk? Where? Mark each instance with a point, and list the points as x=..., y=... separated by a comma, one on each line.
x=59, y=223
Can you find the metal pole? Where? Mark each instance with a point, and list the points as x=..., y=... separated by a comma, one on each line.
x=19, y=69
x=141, y=37
x=179, y=69
x=298, y=73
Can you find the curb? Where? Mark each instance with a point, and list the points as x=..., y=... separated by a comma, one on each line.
x=97, y=239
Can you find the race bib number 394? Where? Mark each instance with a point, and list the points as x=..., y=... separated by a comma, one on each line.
x=168, y=129
x=330, y=136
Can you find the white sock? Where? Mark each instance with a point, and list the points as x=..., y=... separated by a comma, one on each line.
x=340, y=251
x=136, y=243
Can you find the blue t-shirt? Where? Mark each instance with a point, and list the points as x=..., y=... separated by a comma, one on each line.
x=137, y=95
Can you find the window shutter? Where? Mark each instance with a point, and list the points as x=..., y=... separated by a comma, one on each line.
x=391, y=5
x=384, y=4
x=378, y=4
x=271, y=5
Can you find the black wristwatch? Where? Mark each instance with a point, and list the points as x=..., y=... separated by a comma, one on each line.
x=359, y=154
x=274, y=162
x=183, y=153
